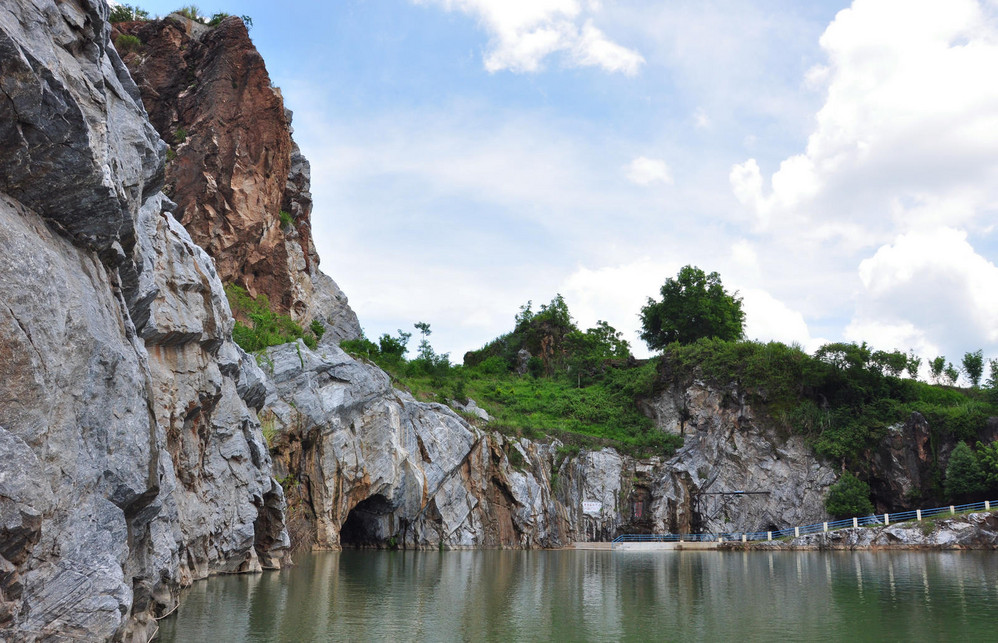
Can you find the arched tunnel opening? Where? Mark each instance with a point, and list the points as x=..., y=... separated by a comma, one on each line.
x=369, y=524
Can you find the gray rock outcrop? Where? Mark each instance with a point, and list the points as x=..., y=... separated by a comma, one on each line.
x=370, y=464
x=130, y=463
x=727, y=448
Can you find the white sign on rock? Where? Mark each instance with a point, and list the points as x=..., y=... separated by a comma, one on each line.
x=591, y=507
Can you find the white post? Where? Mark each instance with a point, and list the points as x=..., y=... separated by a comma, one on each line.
x=918, y=514
x=769, y=535
x=744, y=538
x=987, y=505
x=952, y=510
x=824, y=526
x=796, y=532
x=887, y=519
x=855, y=522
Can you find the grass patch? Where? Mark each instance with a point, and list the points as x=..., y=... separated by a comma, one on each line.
x=265, y=327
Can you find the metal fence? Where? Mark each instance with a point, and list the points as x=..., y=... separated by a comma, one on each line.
x=793, y=532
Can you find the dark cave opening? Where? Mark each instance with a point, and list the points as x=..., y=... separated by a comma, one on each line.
x=369, y=524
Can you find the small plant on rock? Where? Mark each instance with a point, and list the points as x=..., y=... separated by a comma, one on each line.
x=126, y=43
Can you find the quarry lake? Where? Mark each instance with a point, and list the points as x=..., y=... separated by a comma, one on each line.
x=598, y=596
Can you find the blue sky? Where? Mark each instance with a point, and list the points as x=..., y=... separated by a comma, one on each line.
x=834, y=161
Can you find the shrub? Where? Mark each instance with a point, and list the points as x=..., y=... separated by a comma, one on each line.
x=217, y=18
x=286, y=219
x=180, y=135
x=191, y=12
x=963, y=473
x=265, y=328
x=848, y=497
x=317, y=328
x=126, y=43
x=494, y=365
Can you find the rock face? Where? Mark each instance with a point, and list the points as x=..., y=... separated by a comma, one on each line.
x=235, y=167
x=728, y=449
x=365, y=464
x=130, y=462
x=370, y=465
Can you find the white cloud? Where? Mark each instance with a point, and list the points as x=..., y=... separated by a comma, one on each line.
x=700, y=119
x=910, y=114
x=768, y=319
x=616, y=294
x=929, y=290
x=645, y=171
x=525, y=32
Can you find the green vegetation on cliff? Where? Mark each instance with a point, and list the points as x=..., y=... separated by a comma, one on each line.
x=263, y=327
x=545, y=378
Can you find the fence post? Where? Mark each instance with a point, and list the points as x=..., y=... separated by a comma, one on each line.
x=952, y=510
x=769, y=535
x=796, y=532
x=855, y=522
x=824, y=526
x=987, y=505
x=918, y=515
x=744, y=538
x=887, y=519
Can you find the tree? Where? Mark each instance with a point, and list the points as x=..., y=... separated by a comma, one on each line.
x=127, y=13
x=952, y=375
x=973, y=366
x=963, y=473
x=694, y=305
x=848, y=497
x=425, y=351
x=914, y=362
x=892, y=363
x=936, y=367
x=987, y=459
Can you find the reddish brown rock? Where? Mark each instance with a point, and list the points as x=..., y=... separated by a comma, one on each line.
x=234, y=167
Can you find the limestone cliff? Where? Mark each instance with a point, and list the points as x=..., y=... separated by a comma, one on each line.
x=366, y=464
x=234, y=166
x=130, y=461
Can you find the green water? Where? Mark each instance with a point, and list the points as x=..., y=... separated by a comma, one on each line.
x=600, y=596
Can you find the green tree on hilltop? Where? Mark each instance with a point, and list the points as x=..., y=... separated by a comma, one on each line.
x=694, y=305
x=973, y=367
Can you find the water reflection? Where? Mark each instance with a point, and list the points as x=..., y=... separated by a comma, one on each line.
x=590, y=595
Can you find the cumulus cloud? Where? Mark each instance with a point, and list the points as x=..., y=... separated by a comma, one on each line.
x=616, y=294
x=645, y=171
x=769, y=319
x=909, y=117
x=929, y=290
x=524, y=33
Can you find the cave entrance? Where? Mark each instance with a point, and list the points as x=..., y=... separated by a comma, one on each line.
x=369, y=524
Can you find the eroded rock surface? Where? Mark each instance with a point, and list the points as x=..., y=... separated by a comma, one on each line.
x=369, y=464
x=235, y=166
x=130, y=463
